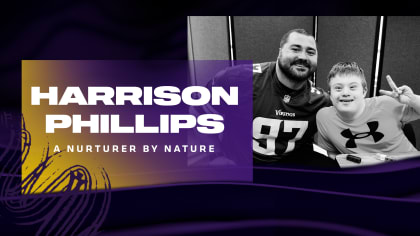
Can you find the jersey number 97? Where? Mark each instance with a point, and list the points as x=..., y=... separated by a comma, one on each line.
x=269, y=139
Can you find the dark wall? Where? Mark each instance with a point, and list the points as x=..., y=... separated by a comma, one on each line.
x=339, y=38
x=258, y=38
x=342, y=38
x=207, y=40
x=402, y=56
x=208, y=37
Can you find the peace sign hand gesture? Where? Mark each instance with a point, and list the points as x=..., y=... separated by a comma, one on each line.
x=403, y=94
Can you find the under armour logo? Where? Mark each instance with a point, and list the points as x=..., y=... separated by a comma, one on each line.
x=373, y=126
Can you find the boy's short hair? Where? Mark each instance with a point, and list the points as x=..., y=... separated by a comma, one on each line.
x=347, y=68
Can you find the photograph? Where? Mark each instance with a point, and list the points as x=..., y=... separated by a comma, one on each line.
x=324, y=88
x=231, y=118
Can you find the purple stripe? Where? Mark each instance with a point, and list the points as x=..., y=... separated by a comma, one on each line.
x=223, y=183
x=184, y=228
x=372, y=169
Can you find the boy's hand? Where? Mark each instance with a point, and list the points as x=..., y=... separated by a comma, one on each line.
x=403, y=94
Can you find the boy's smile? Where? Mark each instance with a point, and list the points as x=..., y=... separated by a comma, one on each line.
x=347, y=95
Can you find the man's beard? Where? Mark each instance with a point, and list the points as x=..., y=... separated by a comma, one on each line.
x=292, y=74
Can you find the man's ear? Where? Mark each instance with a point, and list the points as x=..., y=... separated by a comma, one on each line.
x=364, y=92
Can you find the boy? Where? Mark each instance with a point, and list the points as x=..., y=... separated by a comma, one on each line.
x=356, y=124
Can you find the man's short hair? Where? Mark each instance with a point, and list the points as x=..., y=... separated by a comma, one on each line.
x=285, y=37
x=347, y=68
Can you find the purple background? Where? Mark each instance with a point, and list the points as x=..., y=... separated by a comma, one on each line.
x=383, y=199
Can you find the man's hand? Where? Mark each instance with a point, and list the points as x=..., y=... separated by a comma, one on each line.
x=403, y=94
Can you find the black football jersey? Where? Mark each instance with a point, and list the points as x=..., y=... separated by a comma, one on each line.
x=284, y=120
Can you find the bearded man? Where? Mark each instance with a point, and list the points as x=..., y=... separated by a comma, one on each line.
x=285, y=104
